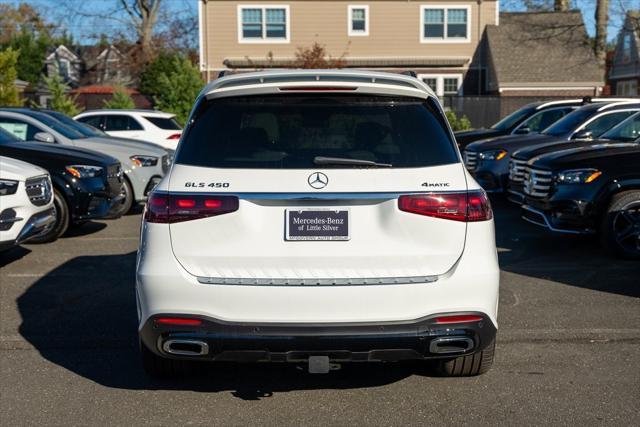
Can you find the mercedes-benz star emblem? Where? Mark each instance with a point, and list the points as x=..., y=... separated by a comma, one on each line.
x=318, y=180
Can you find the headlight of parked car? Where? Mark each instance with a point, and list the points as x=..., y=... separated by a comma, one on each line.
x=142, y=161
x=578, y=176
x=84, y=171
x=8, y=186
x=493, y=155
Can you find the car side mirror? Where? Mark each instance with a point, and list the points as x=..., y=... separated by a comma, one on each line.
x=583, y=134
x=523, y=130
x=44, y=137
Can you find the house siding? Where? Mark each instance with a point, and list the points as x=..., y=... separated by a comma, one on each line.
x=394, y=31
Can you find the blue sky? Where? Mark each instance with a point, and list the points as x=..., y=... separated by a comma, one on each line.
x=75, y=14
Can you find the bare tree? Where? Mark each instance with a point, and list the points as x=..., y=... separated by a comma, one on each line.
x=602, y=21
x=561, y=5
x=143, y=15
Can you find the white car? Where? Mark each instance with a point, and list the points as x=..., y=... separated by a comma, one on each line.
x=146, y=125
x=26, y=202
x=318, y=217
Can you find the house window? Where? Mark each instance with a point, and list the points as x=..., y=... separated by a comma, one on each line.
x=63, y=68
x=445, y=24
x=263, y=24
x=627, y=88
x=358, y=20
x=442, y=85
x=432, y=82
x=626, y=49
x=450, y=85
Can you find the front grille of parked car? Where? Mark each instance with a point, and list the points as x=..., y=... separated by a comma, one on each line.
x=471, y=160
x=39, y=190
x=517, y=170
x=537, y=182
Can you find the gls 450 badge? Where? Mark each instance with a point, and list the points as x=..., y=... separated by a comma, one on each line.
x=206, y=184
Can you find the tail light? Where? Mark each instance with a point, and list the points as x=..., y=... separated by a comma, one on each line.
x=468, y=207
x=174, y=136
x=460, y=318
x=178, y=321
x=167, y=208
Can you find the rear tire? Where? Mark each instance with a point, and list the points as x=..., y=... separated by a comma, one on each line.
x=620, y=231
x=160, y=367
x=62, y=220
x=467, y=366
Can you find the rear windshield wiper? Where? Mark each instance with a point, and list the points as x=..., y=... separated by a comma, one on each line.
x=320, y=160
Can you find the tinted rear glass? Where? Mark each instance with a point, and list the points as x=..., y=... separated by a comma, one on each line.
x=288, y=132
x=569, y=123
x=514, y=118
x=164, y=123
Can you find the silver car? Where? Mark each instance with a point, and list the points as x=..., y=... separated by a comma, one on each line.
x=143, y=163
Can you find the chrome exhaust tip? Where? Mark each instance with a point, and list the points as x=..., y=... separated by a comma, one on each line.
x=449, y=345
x=180, y=347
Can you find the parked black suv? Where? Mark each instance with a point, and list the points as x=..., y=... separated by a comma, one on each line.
x=532, y=118
x=626, y=131
x=488, y=160
x=86, y=184
x=589, y=190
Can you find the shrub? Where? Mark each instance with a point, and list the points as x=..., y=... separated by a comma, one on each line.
x=60, y=100
x=457, y=123
x=9, y=96
x=120, y=100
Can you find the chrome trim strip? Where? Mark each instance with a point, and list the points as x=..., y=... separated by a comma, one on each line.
x=546, y=223
x=11, y=220
x=434, y=348
x=204, y=347
x=316, y=282
x=316, y=195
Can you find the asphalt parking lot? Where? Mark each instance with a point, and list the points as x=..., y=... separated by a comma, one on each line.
x=568, y=347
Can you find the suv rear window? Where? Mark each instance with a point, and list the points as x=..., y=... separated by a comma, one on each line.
x=288, y=132
x=164, y=123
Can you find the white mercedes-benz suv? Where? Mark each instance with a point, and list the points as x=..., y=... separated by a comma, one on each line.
x=317, y=217
x=26, y=202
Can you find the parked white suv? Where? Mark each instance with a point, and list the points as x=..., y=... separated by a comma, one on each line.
x=318, y=217
x=146, y=125
x=26, y=202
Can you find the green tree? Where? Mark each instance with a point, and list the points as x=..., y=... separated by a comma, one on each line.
x=120, y=100
x=9, y=96
x=174, y=83
x=23, y=29
x=60, y=100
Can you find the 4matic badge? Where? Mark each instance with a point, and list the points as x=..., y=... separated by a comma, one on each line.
x=436, y=184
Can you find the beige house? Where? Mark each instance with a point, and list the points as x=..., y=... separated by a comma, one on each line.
x=458, y=47
x=437, y=39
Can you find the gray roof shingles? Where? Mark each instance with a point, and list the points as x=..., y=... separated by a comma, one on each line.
x=542, y=47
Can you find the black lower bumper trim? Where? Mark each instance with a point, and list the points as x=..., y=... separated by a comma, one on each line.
x=380, y=341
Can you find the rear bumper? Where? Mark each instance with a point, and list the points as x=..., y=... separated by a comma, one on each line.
x=216, y=340
x=163, y=287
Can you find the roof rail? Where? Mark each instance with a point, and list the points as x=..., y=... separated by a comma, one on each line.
x=562, y=101
x=616, y=104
